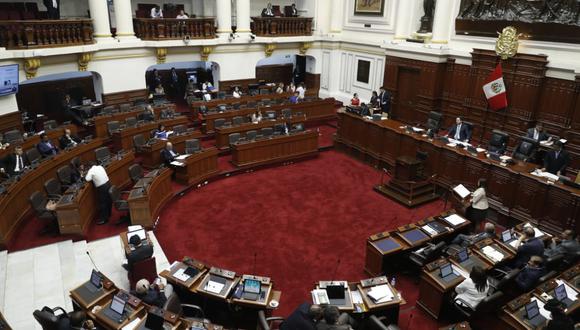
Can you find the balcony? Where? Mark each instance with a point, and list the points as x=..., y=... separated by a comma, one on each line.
x=174, y=29
x=282, y=26
x=30, y=34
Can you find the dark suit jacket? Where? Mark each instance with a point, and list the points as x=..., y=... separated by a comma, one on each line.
x=48, y=4
x=542, y=137
x=299, y=319
x=463, y=132
x=528, y=277
x=553, y=164
x=364, y=111
x=385, y=101
x=141, y=253
x=266, y=14
x=64, y=142
x=533, y=247
x=46, y=150
x=152, y=297
x=323, y=326
x=166, y=157
x=10, y=163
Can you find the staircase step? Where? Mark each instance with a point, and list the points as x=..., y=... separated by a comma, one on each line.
x=47, y=278
x=67, y=270
x=19, y=292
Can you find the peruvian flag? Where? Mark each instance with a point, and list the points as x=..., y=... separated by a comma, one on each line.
x=494, y=89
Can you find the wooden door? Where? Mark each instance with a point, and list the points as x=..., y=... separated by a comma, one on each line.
x=407, y=87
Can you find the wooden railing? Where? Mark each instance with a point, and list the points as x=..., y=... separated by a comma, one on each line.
x=172, y=28
x=282, y=26
x=45, y=33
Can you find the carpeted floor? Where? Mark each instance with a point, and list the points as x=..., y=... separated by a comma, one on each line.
x=298, y=219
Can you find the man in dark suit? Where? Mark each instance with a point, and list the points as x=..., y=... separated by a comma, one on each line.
x=528, y=277
x=53, y=8
x=167, y=154
x=16, y=162
x=140, y=252
x=268, y=12
x=293, y=11
x=527, y=246
x=557, y=160
x=334, y=320
x=68, y=139
x=45, y=147
x=384, y=100
x=364, y=110
x=537, y=133
x=459, y=131
x=304, y=317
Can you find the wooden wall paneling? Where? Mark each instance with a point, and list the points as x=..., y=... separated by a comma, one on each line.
x=502, y=184
x=473, y=170
x=275, y=73
x=125, y=97
x=312, y=81
x=391, y=146
x=450, y=167
x=407, y=146
x=530, y=199
x=558, y=211
x=430, y=165
x=11, y=121
x=376, y=141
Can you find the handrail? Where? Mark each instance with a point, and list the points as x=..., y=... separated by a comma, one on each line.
x=174, y=29
x=282, y=26
x=28, y=34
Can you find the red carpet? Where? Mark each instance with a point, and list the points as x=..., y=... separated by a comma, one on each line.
x=298, y=219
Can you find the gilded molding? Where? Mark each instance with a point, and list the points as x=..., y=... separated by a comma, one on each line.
x=305, y=47
x=31, y=66
x=83, y=60
x=269, y=49
x=161, y=55
x=205, y=51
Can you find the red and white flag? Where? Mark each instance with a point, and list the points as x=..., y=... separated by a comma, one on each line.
x=494, y=89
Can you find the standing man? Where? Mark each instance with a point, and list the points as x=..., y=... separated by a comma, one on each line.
x=385, y=101
x=100, y=179
x=53, y=8
x=556, y=161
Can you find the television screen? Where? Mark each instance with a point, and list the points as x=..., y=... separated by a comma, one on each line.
x=8, y=79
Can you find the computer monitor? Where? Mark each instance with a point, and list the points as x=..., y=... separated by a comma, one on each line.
x=560, y=292
x=155, y=319
x=506, y=236
x=118, y=305
x=96, y=278
x=532, y=310
x=446, y=270
x=462, y=255
x=252, y=286
x=335, y=291
x=190, y=271
x=138, y=232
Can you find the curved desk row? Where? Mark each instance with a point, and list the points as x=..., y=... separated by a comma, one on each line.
x=148, y=196
x=222, y=133
x=99, y=123
x=32, y=141
x=123, y=139
x=151, y=153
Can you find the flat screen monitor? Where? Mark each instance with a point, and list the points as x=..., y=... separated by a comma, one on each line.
x=252, y=286
x=8, y=79
x=96, y=279
x=463, y=255
x=560, y=292
x=118, y=305
x=532, y=310
x=335, y=291
x=446, y=270
x=506, y=236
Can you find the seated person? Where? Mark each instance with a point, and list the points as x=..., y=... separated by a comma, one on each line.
x=334, y=320
x=293, y=11
x=182, y=15
x=466, y=240
x=161, y=133
x=287, y=127
x=140, y=252
x=566, y=244
x=152, y=294
x=168, y=154
x=375, y=101
x=159, y=90
x=268, y=12
x=355, y=100
x=528, y=277
x=207, y=86
x=294, y=98
x=304, y=317
x=527, y=246
x=556, y=161
x=14, y=163
x=537, y=133
x=45, y=147
x=301, y=89
x=459, y=131
x=149, y=113
x=291, y=88
x=156, y=12
x=472, y=290
x=237, y=93
x=559, y=319
x=364, y=110
x=280, y=88
x=206, y=96
x=256, y=117
x=68, y=140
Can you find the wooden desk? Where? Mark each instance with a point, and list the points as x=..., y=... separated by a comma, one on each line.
x=14, y=204
x=123, y=139
x=512, y=191
x=242, y=100
x=226, y=290
x=74, y=215
x=127, y=246
x=389, y=308
x=457, y=326
x=118, y=169
x=145, y=204
x=261, y=302
x=433, y=290
x=134, y=309
x=222, y=133
x=347, y=305
x=31, y=141
x=478, y=249
x=197, y=167
x=99, y=123
x=86, y=300
x=151, y=153
x=277, y=148
x=192, y=283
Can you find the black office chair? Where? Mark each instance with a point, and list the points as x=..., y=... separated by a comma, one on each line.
x=236, y=105
x=179, y=129
x=188, y=311
x=33, y=155
x=102, y=154
x=252, y=104
x=108, y=110
x=251, y=135
x=192, y=146
x=501, y=280
x=135, y=172
x=130, y=121
x=139, y=142
x=64, y=174
x=221, y=107
x=237, y=120
x=469, y=126
x=75, y=163
x=434, y=121
x=286, y=113
x=485, y=306
x=125, y=107
x=120, y=204
x=526, y=150
x=113, y=126
x=219, y=122
x=50, y=125
x=49, y=319
x=13, y=136
x=53, y=189
x=498, y=142
x=377, y=323
x=221, y=95
x=234, y=138
x=423, y=256
x=38, y=202
x=268, y=323
x=549, y=275
x=279, y=129
x=266, y=131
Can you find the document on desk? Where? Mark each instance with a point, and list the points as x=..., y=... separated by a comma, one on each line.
x=459, y=271
x=570, y=292
x=513, y=243
x=479, y=149
x=537, y=232
x=461, y=191
x=214, y=287
x=320, y=296
x=176, y=163
x=381, y=293
x=132, y=325
x=180, y=275
x=492, y=253
x=429, y=230
x=454, y=219
x=134, y=227
x=543, y=312
x=181, y=157
x=546, y=175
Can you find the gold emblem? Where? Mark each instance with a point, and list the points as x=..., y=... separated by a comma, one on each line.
x=506, y=45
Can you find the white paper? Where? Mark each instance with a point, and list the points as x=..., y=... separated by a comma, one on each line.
x=543, y=312
x=381, y=293
x=138, y=232
x=134, y=227
x=214, y=287
x=356, y=297
x=176, y=163
x=459, y=271
x=563, y=141
x=546, y=175
x=492, y=253
x=454, y=219
x=461, y=191
x=504, y=158
x=181, y=157
x=132, y=325
x=513, y=243
x=180, y=275
x=452, y=145
x=547, y=143
x=429, y=230
x=537, y=232
x=570, y=292
x=479, y=149
x=319, y=297
x=417, y=130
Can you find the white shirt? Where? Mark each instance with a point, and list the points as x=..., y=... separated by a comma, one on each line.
x=19, y=160
x=536, y=134
x=479, y=199
x=54, y=3
x=156, y=14
x=458, y=132
x=468, y=292
x=98, y=175
x=207, y=97
x=256, y=119
x=182, y=16
x=236, y=95
x=301, y=90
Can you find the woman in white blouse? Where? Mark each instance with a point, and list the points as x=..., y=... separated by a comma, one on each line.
x=473, y=289
x=479, y=204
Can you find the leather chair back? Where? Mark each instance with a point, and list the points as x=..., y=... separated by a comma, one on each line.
x=138, y=141
x=251, y=135
x=146, y=269
x=13, y=136
x=64, y=174
x=237, y=120
x=219, y=122
x=37, y=201
x=192, y=146
x=498, y=141
x=526, y=149
x=46, y=319
x=52, y=187
x=135, y=172
x=267, y=131
x=234, y=137
x=125, y=107
x=179, y=129
x=102, y=153
x=130, y=121
x=50, y=125
x=434, y=121
x=113, y=126
x=33, y=155
x=270, y=115
x=173, y=305
x=286, y=113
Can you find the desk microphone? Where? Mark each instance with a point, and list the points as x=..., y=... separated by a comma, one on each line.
x=93, y=262
x=335, y=270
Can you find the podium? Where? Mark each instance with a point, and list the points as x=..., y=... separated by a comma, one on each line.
x=408, y=186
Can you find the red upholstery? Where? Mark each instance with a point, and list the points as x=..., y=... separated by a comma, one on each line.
x=146, y=269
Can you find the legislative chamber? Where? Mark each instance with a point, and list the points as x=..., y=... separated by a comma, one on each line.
x=289, y=165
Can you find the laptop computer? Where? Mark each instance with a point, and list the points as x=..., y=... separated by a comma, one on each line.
x=116, y=310
x=562, y=296
x=251, y=289
x=533, y=315
x=507, y=237
x=94, y=284
x=446, y=272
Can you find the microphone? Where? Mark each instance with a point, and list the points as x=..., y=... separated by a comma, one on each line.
x=335, y=270
x=255, y=256
x=93, y=262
